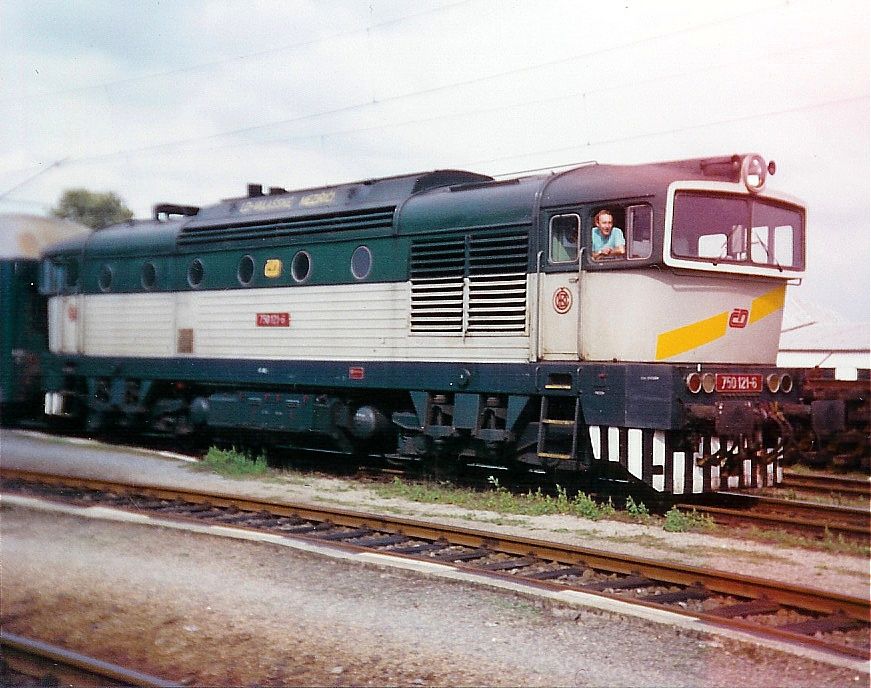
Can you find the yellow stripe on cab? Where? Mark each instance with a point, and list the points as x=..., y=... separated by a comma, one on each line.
x=767, y=303
x=688, y=337
x=703, y=332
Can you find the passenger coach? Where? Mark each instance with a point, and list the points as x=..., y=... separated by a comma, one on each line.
x=453, y=318
x=23, y=325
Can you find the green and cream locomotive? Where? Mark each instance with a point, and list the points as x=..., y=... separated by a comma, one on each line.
x=452, y=318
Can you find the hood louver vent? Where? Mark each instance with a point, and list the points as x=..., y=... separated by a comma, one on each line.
x=469, y=284
x=497, y=284
x=437, y=270
x=373, y=218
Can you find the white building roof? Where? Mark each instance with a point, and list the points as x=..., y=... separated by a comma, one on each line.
x=24, y=236
x=812, y=336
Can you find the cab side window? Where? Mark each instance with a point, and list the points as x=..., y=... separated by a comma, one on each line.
x=563, y=241
x=631, y=224
x=639, y=226
x=59, y=275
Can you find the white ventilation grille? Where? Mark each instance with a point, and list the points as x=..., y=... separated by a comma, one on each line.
x=437, y=268
x=469, y=284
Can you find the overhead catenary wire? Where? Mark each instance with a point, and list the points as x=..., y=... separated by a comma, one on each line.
x=172, y=147
x=427, y=91
x=24, y=182
x=673, y=130
x=210, y=64
x=561, y=149
x=587, y=144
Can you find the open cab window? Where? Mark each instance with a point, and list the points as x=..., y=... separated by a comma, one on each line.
x=567, y=232
x=732, y=231
x=634, y=222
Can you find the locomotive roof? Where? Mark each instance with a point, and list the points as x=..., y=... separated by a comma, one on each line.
x=510, y=202
x=441, y=200
x=25, y=236
x=515, y=201
x=373, y=193
x=595, y=182
x=133, y=238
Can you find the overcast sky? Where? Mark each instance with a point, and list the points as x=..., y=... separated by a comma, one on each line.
x=189, y=100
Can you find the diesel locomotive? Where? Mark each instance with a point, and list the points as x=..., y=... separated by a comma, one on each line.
x=452, y=319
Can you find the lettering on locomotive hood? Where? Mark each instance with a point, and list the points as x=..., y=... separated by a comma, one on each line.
x=272, y=205
x=315, y=199
x=267, y=205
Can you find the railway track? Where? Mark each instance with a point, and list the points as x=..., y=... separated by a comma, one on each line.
x=52, y=665
x=826, y=484
x=819, y=521
x=824, y=620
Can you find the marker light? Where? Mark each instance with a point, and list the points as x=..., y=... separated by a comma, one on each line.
x=709, y=381
x=754, y=172
x=773, y=383
x=694, y=383
x=786, y=383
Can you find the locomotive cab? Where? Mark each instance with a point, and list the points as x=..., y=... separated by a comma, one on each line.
x=680, y=329
x=701, y=276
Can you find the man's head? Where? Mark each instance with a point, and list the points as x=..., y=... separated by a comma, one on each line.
x=605, y=222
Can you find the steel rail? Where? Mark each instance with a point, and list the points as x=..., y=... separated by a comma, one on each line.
x=818, y=529
x=827, y=484
x=727, y=583
x=39, y=659
x=714, y=582
x=820, y=520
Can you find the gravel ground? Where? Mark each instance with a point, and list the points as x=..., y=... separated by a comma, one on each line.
x=847, y=574
x=211, y=611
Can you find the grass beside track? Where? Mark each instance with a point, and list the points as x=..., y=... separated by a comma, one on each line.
x=497, y=499
x=238, y=464
x=232, y=463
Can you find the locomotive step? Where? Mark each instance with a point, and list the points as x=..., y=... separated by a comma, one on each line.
x=554, y=455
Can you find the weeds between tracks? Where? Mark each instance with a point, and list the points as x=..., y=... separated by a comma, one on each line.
x=498, y=499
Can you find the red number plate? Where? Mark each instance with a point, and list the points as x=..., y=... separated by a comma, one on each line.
x=740, y=383
x=273, y=320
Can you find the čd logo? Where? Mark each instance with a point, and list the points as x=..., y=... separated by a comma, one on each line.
x=739, y=318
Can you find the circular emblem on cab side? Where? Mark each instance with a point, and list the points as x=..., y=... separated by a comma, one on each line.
x=562, y=300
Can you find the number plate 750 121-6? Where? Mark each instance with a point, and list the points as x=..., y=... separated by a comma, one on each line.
x=739, y=383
